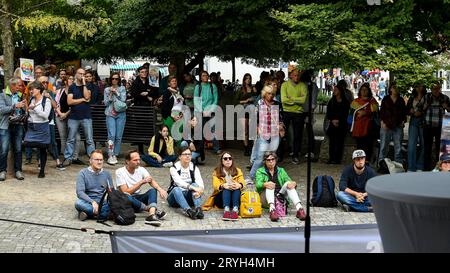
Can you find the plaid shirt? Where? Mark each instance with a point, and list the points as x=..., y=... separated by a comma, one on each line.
x=269, y=119
x=435, y=109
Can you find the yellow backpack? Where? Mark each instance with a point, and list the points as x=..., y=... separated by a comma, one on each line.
x=250, y=204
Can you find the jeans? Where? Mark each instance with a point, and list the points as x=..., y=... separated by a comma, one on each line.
x=430, y=134
x=62, y=130
x=385, y=137
x=139, y=201
x=415, y=135
x=82, y=205
x=53, y=144
x=115, y=126
x=74, y=126
x=179, y=197
x=14, y=133
x=154, y=163
x=298, y=122
x=350, y=200
x=263, y=146
x=228, y=198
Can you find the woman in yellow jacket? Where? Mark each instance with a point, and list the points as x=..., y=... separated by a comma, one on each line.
x=228, y=182
x=161, y=150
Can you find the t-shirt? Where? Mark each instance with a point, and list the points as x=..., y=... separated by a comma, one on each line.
x=124, y=177
x=82, y=110
x=353, y=181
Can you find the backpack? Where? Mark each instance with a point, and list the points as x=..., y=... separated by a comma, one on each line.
x=250, y=203
x=323, y=192
x=52, y=111
x=172, y=183
x=121, y=208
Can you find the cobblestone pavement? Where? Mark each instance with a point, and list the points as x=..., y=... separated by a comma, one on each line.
x=51, y=201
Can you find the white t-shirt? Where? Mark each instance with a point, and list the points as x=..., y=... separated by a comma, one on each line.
x=183, y=180
x=124, y=177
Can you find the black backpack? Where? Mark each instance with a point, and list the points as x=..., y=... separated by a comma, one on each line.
x=121, y=208
x=323, y=192
x=172, y=183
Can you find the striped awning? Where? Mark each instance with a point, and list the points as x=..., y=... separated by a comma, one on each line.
x=125, y=67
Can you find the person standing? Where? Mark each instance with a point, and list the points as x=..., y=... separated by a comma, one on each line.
x=415, y=108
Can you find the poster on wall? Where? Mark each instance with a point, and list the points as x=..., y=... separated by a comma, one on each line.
x=27, y=69
x=445, y=135
x=153, y=76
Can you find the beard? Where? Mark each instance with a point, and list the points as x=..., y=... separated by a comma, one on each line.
x=359, y=168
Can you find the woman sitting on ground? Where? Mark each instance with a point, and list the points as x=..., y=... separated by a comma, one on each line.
x=228, y=182
x=186, y=187
x=272, y=180
x=161, y=150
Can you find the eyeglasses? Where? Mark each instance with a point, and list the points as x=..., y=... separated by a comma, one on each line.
x=227, y=158
x=186, y=154
x=446, y=162
x=270, y=159
x=116, y=78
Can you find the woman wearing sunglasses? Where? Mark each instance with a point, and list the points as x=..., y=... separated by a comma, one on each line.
x=272, y=180
x=115, y=117
x=228, y=182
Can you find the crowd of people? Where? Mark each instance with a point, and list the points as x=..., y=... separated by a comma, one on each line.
x=30, y=114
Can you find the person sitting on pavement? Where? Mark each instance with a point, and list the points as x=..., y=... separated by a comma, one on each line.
x=161, y=150
x=186, y=188
x=228, y=183
x=130, y=180
x=91, y=184
x=352, y=186
x=272, y=180
x=443, y=164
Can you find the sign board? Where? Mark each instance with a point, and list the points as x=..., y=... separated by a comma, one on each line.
x=27, y=69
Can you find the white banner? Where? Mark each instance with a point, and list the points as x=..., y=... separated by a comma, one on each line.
x=27, y=69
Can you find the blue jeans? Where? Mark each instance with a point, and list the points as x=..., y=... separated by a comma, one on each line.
x=350, y=200
x=228, y=198
x=385, y=137
x=415, y=135
x=183, y=198
x=154, y=163
x=82, y=205
x=115, y=126
x=53, y=144
x=14, y=133
x=139, y=201
x=262, y=146
x=74, y=126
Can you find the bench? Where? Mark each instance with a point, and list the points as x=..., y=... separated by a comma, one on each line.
x=140, y=125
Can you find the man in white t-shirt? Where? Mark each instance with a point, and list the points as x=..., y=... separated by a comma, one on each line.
x=131, y=178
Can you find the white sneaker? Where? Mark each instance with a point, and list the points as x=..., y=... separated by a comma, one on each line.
x=168, y=164
x=110, y=160
x=115, y=159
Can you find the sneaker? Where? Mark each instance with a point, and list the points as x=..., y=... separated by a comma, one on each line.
x=199, y=213
x=41, y=175
x=82, y=216
x=295, y=160
x=218, y=152
x=67, y=162
x=78, y=162
x=301, y=214
x=160, y=214
x=60, y=167
x=19, y=175
x=168, y=164
x=110, y=161
x=346, y=207
x=2, y=176
x=191, y=214
x=115, y=159
x=234, y=216
x=153, y=220
x=274, y=216
x=226, y=216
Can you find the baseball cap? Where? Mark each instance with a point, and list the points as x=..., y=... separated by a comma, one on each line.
x=445, y=157
x=358, y=153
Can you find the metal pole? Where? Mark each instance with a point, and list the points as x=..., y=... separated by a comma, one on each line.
x=308, y=172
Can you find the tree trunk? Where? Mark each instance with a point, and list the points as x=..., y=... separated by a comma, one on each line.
x=198, y=60
x=7, y=41
x=178, y=60
x=233, y=69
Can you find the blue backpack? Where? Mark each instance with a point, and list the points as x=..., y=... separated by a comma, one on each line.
x=323, y=192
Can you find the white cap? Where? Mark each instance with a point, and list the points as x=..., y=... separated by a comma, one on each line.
x=88, y=67
x=358, y=153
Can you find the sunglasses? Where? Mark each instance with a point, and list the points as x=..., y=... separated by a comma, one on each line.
x=270, y=159
x=227, y=158
x=446, y=162
x=116, y=78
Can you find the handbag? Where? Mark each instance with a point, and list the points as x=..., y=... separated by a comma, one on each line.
x=280, y=205
x=119, y=106
x=18, y=119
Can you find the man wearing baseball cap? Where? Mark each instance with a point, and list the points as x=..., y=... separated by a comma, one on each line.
x=352, y=185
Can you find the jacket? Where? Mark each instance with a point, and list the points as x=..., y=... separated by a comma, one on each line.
x=6, y=107
x=217, y=182
x=262, y=177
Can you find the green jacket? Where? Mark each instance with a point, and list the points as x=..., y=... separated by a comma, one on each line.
x=262, y=177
